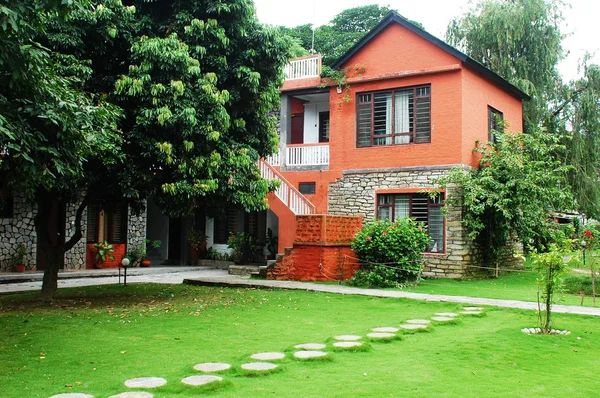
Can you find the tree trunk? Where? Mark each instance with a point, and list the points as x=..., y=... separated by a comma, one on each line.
x=54, y=252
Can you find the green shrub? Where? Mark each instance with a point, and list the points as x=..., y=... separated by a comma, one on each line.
x=377, y=276
x=578, y=284
x=399, y=245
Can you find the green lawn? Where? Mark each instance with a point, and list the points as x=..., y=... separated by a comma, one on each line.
x=93, y=339
x=509, y=286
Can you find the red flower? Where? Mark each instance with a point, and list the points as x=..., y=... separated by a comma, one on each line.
x=588, y=233
x=384, y=234
x=368, y=238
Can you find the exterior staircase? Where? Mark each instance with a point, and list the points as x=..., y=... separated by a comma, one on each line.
x=286, y=192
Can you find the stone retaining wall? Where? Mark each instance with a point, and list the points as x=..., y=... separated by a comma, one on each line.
x=355, y=194
x=16, y=230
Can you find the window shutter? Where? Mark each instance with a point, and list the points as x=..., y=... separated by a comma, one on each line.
x=118, y=224
x=92, y=224
x=363, y=121
x=423, y=126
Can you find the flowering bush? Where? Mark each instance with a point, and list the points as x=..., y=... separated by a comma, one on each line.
x=399, y=245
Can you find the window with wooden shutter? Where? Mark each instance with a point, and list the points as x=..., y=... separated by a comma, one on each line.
x=107, y=222
x=419, y=207
x=394, y=117
x=495, y=123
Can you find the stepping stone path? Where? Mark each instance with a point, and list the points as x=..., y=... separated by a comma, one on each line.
x=381, y=335
x=259, y=366
x=268, y=356
x=448, y=314
x=146, y=382
x=72, y=395
x=348, y=337
x=385, y=330
x=212, y=367
x=413, y=326
x=201, y=380
x=310, y=346
x=347, y=344
x=309, y=354
x=442, y=318
x=133, y=394
x=418, y=321
x=308, y=351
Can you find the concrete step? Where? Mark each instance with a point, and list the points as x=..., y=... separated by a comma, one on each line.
x=243, y=270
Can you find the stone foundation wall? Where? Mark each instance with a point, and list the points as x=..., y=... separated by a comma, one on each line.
x=75, y=258
x=16, y=230
x=136, y=230
x=355, y=194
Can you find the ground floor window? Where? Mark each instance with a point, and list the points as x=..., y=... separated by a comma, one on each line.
x=107, y=222
x=422, y=208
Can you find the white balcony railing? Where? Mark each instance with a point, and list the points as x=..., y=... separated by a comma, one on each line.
x=302, y=68
x=289, y=195
x=307, y=155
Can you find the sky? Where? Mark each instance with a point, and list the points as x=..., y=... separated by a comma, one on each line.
x=581, y=20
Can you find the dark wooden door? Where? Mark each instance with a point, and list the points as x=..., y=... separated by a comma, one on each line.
x=297, y=129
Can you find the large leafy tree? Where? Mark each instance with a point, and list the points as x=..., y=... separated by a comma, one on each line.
x=519, y=184
x=194, y=81
x=521, y=41
x=59, y=139
x=344, y=30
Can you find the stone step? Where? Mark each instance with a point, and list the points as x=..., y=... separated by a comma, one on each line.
x=243, y=270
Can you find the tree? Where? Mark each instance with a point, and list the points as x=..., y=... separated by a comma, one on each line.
x=196, y=82
x=58, y=138
x=518, y=186
x=521, y=41
x=345, y=29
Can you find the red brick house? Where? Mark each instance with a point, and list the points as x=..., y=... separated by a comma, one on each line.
x=410, y=109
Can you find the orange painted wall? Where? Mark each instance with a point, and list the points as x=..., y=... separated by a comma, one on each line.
x=90, y=258
x=478, y=94
x=297, y=106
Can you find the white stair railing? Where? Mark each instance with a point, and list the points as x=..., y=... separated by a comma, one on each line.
x=289, y=195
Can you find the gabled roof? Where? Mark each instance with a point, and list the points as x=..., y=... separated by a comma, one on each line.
x=393, y=17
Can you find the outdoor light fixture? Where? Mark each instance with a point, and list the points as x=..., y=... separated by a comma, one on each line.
x=125, y=264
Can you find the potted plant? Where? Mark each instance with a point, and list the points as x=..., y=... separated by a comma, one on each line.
x=135, y=256
x=241, y=244
x=197, y=241
x=20, y=257
x=150, y=244
x=104, y=250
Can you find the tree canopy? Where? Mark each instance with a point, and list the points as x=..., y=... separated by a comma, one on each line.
x=164, y=98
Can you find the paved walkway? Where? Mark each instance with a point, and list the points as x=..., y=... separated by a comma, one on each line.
x=205, y=276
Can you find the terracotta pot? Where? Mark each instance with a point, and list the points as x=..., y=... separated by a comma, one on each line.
x=19, y=267
x=145, y=263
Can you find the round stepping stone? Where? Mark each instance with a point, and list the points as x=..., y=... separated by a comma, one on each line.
x=347, y=344
x=268, y=356
x=380, y=335
x=471, y=312
x=418, y=321
x=348, y=337
x=133, y=394
x=146, y=382
x=385, y=330
x=310, y=346
x=448, y=314
x=201, y=380
x=412, y=326
x=472, y=309
x=72, y=395
x=212, y=367
x=259, y=366
x=442, y=318
x=309, y=354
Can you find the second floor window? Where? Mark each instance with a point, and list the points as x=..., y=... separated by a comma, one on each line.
x=495, y=123
x=395, y=117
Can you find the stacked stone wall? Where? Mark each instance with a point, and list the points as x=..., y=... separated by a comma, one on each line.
x=16, y=230
x=355, y=194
